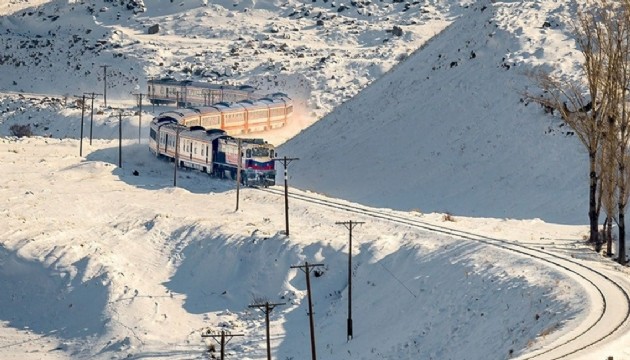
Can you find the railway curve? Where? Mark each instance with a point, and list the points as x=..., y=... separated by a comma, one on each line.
x=601, y=324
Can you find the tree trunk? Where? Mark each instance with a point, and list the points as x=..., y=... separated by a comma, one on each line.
x=608, y=232
x=592, y=201
x=622, y=237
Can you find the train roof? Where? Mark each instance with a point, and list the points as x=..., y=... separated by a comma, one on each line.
x=203, y=85
x=253, y=104
x=197, y=132
x=228, y=106
x=178, y=114
x=208, y=110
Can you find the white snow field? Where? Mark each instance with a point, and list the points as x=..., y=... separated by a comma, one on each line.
x=408, y=118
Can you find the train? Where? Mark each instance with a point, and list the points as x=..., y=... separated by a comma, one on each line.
x=240, y=110
x=168, y=91
x=237, y=118
x=213, y=151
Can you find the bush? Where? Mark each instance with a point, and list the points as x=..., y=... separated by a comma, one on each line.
x=448, y=217
x=21, y=130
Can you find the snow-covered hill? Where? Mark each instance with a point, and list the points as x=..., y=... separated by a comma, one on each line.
x=448, y=129
x=400, y=104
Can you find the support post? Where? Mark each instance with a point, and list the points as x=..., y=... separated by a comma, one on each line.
x=224, y=339
x=238, y=171
x=350, y=225
x=139, y=95
x=306, y=268
x=285, y=162
x=81, y=134
x=120, y=140
x=92, y=96
x=105, y=84
x=267, y=308
x=179, y=129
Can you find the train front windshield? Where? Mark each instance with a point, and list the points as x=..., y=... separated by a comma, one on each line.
x=261, y=152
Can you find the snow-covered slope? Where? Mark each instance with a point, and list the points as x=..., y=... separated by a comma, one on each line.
x=448, y=130
x=99, y=261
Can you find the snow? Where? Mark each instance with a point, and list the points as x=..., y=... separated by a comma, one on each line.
x=105, y=261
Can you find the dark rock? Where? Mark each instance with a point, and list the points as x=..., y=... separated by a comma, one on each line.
x=154, y=29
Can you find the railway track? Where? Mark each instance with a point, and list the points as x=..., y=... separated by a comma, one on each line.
x=600, y=325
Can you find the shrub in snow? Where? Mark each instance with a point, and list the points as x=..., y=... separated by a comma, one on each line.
x=21, y=130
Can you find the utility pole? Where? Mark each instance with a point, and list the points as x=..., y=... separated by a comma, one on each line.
x=139, y=95
x=285, y=162
x=306, y=268
x=105, y=83
x=92, y=96
x=222, y=342
x=82, y=115
x=350, y=225
x=179, y=129
x=238, y=171
x=120, y=140
x=267, y=308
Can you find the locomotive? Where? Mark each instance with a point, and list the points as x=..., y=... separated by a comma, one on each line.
x=213, y=151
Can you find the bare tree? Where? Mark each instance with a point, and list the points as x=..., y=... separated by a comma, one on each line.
x=607, y=165
x=576, y=110
x=617, y=23
x=585, y=105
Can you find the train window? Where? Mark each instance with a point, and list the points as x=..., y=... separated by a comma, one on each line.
x=260, y=151
x=271, y=154
x=248, y=153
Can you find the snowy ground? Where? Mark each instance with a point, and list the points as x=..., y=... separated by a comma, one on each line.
x=97, y=262
x=100, y=263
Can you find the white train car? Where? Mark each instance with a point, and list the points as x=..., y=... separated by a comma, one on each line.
x=185, y=93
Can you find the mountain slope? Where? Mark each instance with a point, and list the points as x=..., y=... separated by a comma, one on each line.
x=448, y=130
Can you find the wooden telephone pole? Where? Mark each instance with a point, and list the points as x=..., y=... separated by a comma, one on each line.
x=306, y=268
x=82, y=116
x=120, y=139
x=285, y=162
x=92, y=96
x=139, y=96
x=238, y=171
x=179, y=129
x=267, y=308
x=222, y=336
x=350, y=225
x=105, y=83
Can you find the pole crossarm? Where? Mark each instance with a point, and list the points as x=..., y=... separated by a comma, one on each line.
x=349, y=225
x=223, y=335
